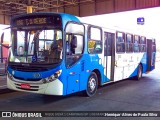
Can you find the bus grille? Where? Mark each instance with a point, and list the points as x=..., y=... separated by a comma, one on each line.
x=19, y=78
x=33, y=88
x=27, y=68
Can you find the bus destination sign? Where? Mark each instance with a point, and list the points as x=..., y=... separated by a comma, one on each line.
x=41, y=20
x=31, y=21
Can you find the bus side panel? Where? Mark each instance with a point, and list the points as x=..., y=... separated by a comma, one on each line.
x=86, y=71
x=142, y=60
x=90, y=63
x=127, y=65
x=73, y=77
x=78, y=74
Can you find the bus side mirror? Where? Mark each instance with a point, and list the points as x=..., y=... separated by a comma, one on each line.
x=2, y=37
x=74, y=42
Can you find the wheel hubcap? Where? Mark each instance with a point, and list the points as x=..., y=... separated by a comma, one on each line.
x=92, y=84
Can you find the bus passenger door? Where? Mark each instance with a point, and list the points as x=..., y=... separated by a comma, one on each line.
x=109, y=56
x=151, y=51
x=74, y=62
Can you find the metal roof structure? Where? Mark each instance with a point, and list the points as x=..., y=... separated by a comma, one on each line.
x=13, y=7
x=81, y=8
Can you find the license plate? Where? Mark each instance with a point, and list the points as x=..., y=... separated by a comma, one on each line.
x=25, y=86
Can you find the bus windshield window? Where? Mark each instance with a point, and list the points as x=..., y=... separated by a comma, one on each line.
x=36, y=46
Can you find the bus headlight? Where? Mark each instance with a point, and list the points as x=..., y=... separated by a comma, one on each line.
x=52, y=77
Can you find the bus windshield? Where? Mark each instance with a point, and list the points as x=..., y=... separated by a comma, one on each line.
x=40, y=45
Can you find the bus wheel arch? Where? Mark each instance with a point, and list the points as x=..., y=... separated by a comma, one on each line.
x=92, y=83
x=98, y=75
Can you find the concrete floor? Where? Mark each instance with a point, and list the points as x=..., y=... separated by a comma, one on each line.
x=127, y=95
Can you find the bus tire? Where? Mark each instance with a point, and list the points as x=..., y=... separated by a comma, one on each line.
x=92, y=85
x=139, y=73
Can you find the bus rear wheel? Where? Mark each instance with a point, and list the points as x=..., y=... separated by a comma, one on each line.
x=92, y=84
x=139, y=73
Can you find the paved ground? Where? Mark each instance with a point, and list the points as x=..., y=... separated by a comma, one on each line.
x=127, y=95
x=2, y=82
x=2, y=77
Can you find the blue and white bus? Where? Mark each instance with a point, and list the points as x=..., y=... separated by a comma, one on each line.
x=89, y=56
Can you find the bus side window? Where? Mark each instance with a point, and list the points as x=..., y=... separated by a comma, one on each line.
x=79, y=48
x=136, y=44
x=108, y=38
x=95, y=40
x=74, y=50
x=98, y=47
x=120, y=43
x=154, y=45
x=129, y=43
x=143, y=44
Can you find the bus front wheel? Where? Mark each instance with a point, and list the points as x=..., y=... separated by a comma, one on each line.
x=92, y=84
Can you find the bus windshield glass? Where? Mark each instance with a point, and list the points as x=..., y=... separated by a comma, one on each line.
x=40, y=45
